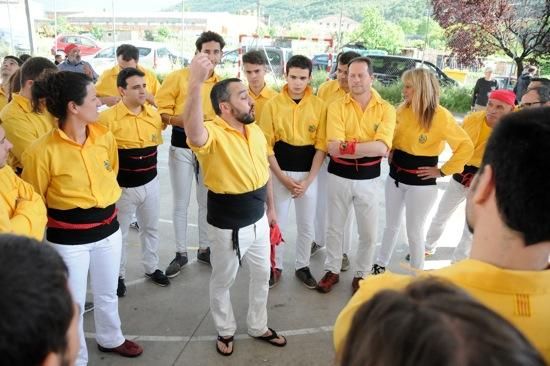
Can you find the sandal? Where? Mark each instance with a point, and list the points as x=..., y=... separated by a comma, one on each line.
x=225, y=341
x=269, y=339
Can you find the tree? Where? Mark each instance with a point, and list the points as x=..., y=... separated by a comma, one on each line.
x=376, y=33
x=478, y=28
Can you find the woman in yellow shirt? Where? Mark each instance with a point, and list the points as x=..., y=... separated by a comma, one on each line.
x=74, y=168
x=423, y=127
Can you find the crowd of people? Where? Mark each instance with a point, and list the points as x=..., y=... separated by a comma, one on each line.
x=75, y=179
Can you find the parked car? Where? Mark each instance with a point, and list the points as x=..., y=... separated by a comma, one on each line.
x=87, y=45
x=322, y=61
x=506, y=82
x=277, y=58
x=388, y=69
x=153, y=55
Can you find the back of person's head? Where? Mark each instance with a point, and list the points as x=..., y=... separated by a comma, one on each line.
x=36, y=308
x=543, y=93
x=425, y=98
x=58, y=90
x=531, y=69
x=518, y=152
x=220, y=93
x=209, y=36
x=346, y=57
x=300, y=62
x=125, y=74
x=34, y=67
x=128, y=52
x=364, y=60
x=24, y=57
x=433, y=323
x=255, y=57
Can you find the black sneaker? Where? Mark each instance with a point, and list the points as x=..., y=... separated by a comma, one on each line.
x=158, y=278
x=121, y=288
x=174, y=267
x=134, y=225
x=315, y=248
x=376, y=270
x=203, y=256
x=88, y=306
x=307, y=279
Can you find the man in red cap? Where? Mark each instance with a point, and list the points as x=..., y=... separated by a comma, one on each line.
x=74, y=63
x=479, y=126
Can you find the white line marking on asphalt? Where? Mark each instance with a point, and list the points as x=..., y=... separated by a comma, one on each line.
x=151, y=338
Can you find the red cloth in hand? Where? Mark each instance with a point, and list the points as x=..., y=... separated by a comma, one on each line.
x=275, y=238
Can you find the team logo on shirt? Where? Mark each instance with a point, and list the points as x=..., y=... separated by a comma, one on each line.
x=107, y=165
x=422, y=139
x=154, y=137
x=312, y=128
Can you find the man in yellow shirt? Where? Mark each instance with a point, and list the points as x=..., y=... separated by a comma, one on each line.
x=182, y=162
x=232, y=152
x=507, y=210
x=127, y=55
x=254, y=67
x=10, y=64
x=359, y=134
x=22, y=211
x=479, y=126
x=137, y=128
x=24, y=122
x=294, y=124
x=330, y=91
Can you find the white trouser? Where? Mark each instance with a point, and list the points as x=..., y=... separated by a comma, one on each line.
x=321, y=215
x=183, y=164
x=144, y=201
x=102, y=258
x=255, y=249
x=418, y=201
x=362, y=195
x=305, y=218
x=462, y=250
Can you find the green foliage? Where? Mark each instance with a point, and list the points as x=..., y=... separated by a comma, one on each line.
x=392, y=93
x=158, y=35
x=317, y=78
x=377, y=33
x=97, y=32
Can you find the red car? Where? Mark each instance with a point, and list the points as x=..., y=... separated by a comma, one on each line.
x=87, y=45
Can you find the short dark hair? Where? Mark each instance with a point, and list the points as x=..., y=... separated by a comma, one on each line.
x=35, y=302
x=24, y=57
x=220, y=93
x=543, y=92
x=255, y=57
x=58, y=89
x=128, y=52
x=14, y=58
x=364, y=59
x=518, y=152
x=346, y=57
x=209, y=36
x=124, y=74
x=543, y=81
x=432, y=322
x=34, y=67
x=300, y=62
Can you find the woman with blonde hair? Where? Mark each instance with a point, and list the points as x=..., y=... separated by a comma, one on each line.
x=423, y=127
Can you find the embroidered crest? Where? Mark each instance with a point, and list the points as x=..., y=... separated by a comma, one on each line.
x=422, y=139
x=312, y=128
x=154, y=137
x=107, y=165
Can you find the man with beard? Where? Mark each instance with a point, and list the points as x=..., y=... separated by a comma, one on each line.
x=73, y=62
x=507, y=211
x=232, y=152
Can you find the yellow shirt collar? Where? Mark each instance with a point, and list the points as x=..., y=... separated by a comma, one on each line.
x=308, y=93
x=23, y=102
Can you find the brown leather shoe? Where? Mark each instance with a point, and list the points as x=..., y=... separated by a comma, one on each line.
x=126, y=349
x=328, y=280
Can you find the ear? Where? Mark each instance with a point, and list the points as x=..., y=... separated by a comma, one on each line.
x=121, y=91
x=72, y=107
x=28, y=84
x=52, y=359
x=225, y=107
x=484, y=188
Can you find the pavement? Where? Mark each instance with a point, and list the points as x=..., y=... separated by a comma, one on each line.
x=174, y=324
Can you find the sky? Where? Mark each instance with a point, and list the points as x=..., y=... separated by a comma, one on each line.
x=99, y=5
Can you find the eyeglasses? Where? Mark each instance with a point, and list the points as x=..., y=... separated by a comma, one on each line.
x=527, y=105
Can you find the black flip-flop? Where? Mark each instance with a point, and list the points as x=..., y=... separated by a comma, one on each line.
x=269, y=339
x=225, y=341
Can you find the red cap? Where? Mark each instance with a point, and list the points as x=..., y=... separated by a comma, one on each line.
x=505, y=96
x=69, y=48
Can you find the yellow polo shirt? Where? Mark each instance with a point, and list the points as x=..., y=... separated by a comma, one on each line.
x=106, y=84
x=231, y=162
x=521, y=297
x=133, y=131
x=68, y=175
x=330, y=91
x=475, y=125
x=348, y=122
x=296, y=124
x=411, y=138
x=22, y=211
x=261, y=99
x=172, y=94
x=23, y=126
